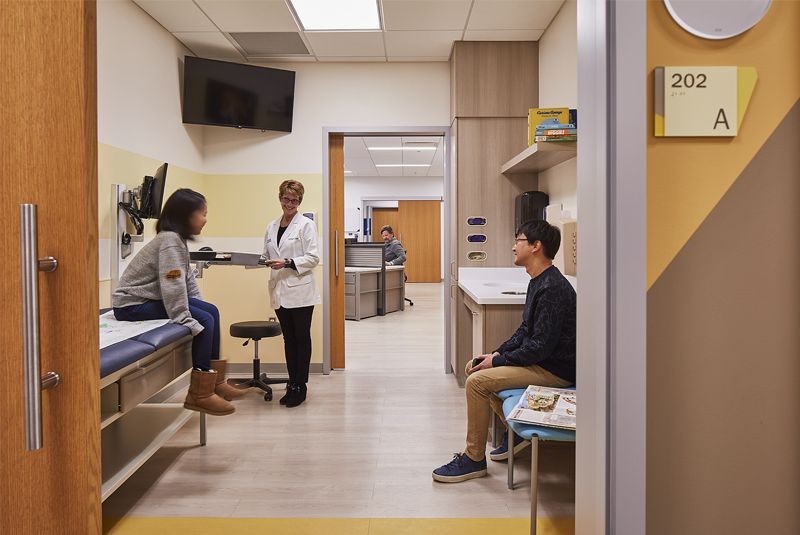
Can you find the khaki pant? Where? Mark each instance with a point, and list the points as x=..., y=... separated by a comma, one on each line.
x=481, y=400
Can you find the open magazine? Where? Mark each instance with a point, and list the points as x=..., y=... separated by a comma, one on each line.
x=551, y=407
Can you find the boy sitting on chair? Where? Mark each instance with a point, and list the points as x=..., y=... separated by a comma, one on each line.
x=541, y=352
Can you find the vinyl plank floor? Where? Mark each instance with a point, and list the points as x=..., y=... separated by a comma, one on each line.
x=362, y=446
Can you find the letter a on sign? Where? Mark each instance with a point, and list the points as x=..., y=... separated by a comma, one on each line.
x=721, y=119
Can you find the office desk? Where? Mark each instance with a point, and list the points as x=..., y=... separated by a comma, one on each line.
x=364, y=293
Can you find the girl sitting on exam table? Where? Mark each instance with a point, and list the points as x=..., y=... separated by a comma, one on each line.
x=158, y=284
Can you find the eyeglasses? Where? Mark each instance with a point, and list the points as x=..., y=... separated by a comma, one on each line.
x=516, y=241
x=287, y=200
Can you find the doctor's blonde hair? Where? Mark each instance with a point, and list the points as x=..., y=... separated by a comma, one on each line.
x=291, y=186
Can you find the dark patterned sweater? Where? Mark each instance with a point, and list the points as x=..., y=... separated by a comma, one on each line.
x=547, y=334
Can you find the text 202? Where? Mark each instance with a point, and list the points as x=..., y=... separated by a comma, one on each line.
x=689, y=80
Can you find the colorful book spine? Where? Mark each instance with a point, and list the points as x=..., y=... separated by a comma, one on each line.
x=551, y=116
x=555, y=138
x=560, y=132
x=573, y=116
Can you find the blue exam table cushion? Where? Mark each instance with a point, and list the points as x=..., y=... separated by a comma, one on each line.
x=164, y=335
x=117, y=356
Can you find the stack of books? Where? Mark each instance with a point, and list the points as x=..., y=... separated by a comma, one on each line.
x=552, y=124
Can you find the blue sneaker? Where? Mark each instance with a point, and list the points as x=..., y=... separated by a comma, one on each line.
x=501, y=453
x=461, y=468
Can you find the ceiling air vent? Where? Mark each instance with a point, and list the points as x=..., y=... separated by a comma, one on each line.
x=418, y=144
x=271, y=43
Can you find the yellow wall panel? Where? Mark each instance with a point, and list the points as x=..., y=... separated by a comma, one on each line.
x=118, y=166
x=243, y=205
x=686, y=177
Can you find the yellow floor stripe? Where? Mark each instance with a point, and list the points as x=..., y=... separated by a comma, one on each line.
x=335, y=526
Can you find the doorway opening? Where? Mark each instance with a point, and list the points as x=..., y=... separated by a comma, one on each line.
x=390, y=180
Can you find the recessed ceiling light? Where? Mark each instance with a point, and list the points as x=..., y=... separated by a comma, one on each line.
x=401, y=148
x=337, y=15
x=403, y=165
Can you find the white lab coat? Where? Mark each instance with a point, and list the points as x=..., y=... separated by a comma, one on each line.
x=289, y=288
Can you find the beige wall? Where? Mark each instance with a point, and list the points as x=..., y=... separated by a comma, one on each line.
x=558, y=87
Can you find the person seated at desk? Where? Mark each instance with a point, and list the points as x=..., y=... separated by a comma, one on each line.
x=541, y=352
x=158, y=284
x=395, y=256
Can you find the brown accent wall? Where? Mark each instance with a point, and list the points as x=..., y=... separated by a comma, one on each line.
x=723, y=357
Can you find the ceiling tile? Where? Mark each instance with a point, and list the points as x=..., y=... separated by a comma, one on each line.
x=387, y=157
x=503, y=35
x=379, y=141
x=415, y=171
x=405, y=44
x=288, y=59
x=362, y=166
x=425, y=14
x=359, y=44
x=513, y=14
x=208, y=44
x=437, y=165
x=354, y=148
x=250, y=15
x=351, y=59
x=418, y=157
x=390, y=171
x=177, y=15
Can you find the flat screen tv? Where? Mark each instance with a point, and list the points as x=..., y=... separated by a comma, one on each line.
x=221, y=93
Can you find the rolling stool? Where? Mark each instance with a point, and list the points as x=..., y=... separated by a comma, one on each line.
x=256, y=330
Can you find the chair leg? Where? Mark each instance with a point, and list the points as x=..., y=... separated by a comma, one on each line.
x=202, y=429
x=511, y=436
x=534, y=482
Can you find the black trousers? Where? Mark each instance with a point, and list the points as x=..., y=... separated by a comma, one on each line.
x=296, y=327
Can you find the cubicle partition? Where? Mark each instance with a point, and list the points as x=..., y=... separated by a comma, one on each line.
x=371, y=288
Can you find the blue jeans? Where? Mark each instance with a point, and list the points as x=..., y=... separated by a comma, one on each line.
x=205, y=346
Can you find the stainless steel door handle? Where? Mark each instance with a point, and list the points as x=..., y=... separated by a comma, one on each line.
x=336, y=250
x=34, y=383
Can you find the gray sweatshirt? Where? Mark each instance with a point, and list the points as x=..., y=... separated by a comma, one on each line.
x=160, y=272
x=394, y=253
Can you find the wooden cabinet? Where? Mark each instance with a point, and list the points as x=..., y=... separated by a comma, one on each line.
x=491, y=326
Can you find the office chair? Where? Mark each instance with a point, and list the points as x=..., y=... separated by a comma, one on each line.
x=405, y=278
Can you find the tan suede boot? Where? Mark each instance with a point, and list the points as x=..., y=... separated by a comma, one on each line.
x=223, y=389
x=201, y=396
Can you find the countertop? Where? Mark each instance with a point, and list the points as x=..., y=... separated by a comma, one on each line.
x=485, y=286
x=351, y=269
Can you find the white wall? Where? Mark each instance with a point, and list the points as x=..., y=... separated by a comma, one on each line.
x=558, y=86
x=410, y=186
x=139, y=66
x=334, y=94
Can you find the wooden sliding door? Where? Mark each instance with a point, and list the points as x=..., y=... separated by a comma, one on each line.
x=421, y=226
x=48, y=158
x=336, y=248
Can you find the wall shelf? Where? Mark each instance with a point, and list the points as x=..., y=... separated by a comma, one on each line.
x=540, y=157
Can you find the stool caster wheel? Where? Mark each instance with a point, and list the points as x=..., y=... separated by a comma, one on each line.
x=268, y=396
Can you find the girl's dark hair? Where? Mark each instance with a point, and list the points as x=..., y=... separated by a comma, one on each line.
x=177, y=210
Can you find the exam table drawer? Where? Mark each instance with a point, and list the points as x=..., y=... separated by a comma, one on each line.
x=142, y=383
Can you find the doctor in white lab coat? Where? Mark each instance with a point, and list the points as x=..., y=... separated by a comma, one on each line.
x=290, y=246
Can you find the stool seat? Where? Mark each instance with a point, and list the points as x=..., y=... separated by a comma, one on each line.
x=255, y=329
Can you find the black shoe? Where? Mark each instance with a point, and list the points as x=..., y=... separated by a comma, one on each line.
x=298, y=396
x=285, y=398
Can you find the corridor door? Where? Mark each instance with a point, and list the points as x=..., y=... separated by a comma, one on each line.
x=421, y=225
x=48, y=157
x=381, y=217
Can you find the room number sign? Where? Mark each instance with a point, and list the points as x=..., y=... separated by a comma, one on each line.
x=701, y=101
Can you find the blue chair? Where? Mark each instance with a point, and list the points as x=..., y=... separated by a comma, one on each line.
x=531, y=432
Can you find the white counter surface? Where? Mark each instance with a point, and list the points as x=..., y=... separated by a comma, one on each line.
x=350, y=269
x=485, y=286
